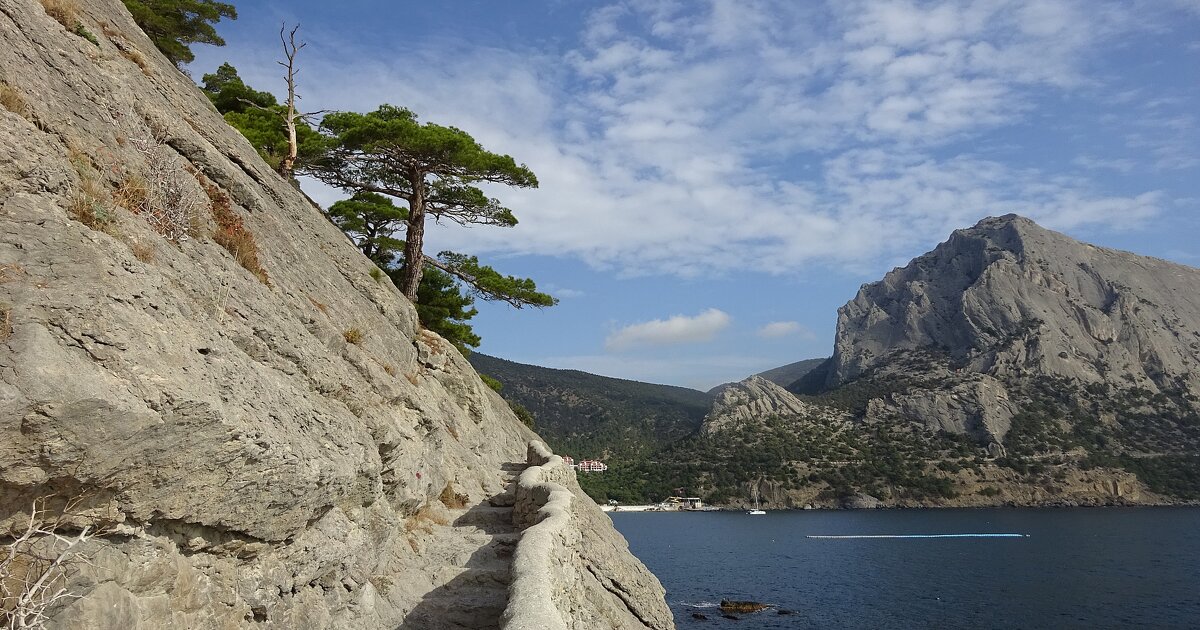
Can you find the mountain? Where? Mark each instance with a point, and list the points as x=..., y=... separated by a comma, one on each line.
x=586, y=415
x=1009, y=326
x=208, y=395
x=785, y=375
x=1010, y=365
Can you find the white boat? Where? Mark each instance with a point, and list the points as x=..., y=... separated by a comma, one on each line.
x=757, y=510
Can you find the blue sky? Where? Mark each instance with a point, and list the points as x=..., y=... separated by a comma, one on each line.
x=718, y=177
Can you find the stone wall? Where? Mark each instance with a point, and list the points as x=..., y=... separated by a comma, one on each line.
x=564, y=576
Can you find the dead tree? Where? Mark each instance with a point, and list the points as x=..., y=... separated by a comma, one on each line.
x=37, y=563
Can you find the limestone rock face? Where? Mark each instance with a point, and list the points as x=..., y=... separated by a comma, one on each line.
x=1008, y=296
x=751, y=400
x=1007, y=301
x=978, y=407
x=268, y=452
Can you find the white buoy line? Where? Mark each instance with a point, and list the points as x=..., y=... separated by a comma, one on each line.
x=921, y=536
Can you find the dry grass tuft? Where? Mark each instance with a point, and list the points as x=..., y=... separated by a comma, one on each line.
x=90, y=206
x=65, y=12
x=390, y=369
x=424, y=519
x=411, y=376
x=143, y=252
x=6, y=329
x=10, y=271
x=353, y=335
x=11, y=99
x=452, y=498
x=320, y=306
x=231, y=232
x=138, y=58
x=133, y=194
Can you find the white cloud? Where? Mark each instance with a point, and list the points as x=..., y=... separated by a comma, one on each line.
x=673, y=330
x=683, y=141
x=784, y=329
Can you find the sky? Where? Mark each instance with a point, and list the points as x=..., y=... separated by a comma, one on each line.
x=717, y=177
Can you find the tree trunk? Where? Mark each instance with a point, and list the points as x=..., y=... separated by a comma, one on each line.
x=288, y=166
x=414, y=258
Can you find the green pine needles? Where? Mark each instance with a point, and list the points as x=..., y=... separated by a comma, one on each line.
x=173, y=25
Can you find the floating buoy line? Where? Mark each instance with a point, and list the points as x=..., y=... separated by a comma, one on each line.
x=923, y=536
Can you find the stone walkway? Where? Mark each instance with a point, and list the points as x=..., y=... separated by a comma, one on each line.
x=477, y=545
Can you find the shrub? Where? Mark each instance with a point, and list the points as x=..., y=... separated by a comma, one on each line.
x=38, y=561
x=353, y=335
x=82, y=31
x=159, y=191
x=376, y=274
x=231, y=232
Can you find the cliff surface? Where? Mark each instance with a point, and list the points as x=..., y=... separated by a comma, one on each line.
x=263, y=431
x=1006, y=301
x=1010, y=365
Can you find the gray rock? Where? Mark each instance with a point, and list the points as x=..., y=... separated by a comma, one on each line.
x=1008, y=299
x=754, y=399
x=861, y=501
x=252, y=467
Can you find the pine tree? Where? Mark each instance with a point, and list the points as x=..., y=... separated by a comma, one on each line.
x=173, y=25
x=434, y=169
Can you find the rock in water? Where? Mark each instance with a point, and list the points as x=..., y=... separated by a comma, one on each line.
x=737, y=606
x=269, y=441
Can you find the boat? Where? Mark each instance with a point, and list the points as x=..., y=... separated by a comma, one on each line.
x=757, y=510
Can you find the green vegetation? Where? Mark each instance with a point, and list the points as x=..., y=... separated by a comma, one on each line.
x=585, y=415
x=259, y=117
x=371, y=221
x=434, y=169
x=174, y=25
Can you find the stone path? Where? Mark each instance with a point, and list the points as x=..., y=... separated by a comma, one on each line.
x=477, y=545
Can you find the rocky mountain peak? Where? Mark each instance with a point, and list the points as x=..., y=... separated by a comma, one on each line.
x=1006, y=301
x=750, y=401
x=1008, y=295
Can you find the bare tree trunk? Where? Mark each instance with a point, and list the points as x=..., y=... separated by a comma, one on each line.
x=288, y=165
x=414, y=258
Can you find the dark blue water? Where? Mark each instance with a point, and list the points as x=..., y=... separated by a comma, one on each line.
x=1079, y=568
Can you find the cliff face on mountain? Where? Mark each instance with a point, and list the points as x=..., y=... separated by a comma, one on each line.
x=261, y=430
x=1006, y=301
x=1010, y=365
x=746, y=402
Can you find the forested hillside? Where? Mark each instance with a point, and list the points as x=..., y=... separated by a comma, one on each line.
x=585, y=415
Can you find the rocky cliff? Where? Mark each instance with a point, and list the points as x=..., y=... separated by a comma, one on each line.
x=1010, y=365
x=746, y=403
x=261, y=430
x=1008, y=300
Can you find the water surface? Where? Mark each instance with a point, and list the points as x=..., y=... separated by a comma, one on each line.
x=1078, y=568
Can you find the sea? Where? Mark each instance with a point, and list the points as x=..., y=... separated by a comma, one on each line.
x=1070, y=568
